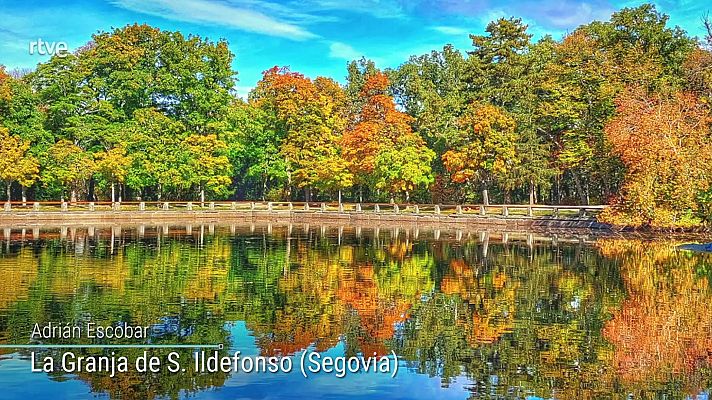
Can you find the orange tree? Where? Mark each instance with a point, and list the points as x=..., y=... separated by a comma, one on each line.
x=382, y=148
x=665, y=144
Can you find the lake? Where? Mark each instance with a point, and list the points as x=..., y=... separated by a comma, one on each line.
x=460, y=314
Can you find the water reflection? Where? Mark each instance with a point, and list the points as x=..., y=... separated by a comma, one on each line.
x=488, y=315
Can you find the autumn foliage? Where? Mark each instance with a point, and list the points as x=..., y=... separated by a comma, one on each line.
x=381, y=147
x=664, y=326
x=666, y=146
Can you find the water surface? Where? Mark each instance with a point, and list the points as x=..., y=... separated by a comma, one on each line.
x=468, y=314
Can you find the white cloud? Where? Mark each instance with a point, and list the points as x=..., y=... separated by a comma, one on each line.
x=375, y=8
x=205, y=12
x=450, y=30
x=344, y=51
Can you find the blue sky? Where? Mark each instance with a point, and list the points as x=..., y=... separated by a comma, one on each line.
x=315, y=37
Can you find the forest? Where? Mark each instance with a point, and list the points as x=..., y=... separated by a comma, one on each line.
x=615, y=112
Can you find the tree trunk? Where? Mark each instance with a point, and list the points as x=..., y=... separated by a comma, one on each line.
x=24, y=196
x=9, y=185
x=531, y=192
x=160, y=192
x=90, y=191
x=113, y=192
x=307, y=194
x=264, y=188
x=360, y=193
x=485, y=197
x=579, y=189
x=407, y=196
x=339, y=196
x=73, y=196
x=121, y=192
x=202, y=196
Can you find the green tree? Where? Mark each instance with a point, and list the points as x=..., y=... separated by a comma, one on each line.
x=67, y=167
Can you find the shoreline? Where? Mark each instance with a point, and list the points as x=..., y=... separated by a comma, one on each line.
x=30, y=219
x=463, y=222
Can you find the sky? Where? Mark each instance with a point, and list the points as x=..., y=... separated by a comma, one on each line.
x=314, y=37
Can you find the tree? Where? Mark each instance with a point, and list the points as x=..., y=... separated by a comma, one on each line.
x=67, y=167
x=254, y=150
x=159, y=158
x=666, y=146
x=311, y=116
x=208, y=164
x=432, y=89
x=382, y=147
x=16, y=164
x=486, y=148
x=113, y=165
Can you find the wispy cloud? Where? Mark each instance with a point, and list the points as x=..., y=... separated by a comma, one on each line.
x=568, y=14
x=343, y=51
x=224, y=14
x=374, y=8
x=450, y=30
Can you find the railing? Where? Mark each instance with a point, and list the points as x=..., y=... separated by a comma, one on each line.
x=454, y=210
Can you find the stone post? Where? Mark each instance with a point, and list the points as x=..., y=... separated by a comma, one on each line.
x=376, y=209
x=165, y=206
x=211, y=205
x=92, y=207
x=64, y=206
x=189, y=206
x=35, y=206
x=142, y=206
x=458, y=209
x=437, y=209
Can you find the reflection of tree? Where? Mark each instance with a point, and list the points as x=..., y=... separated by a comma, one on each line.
x=175, y=287
x=518, y=324
x=308, y=313
x=663, y=330
x=321, y=287
x=522, y=321
x=490, y=296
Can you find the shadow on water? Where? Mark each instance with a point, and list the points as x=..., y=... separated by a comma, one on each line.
x=482, y=315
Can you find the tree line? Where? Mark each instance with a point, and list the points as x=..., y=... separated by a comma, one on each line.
x=615, y=112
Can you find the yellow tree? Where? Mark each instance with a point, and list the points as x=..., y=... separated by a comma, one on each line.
x=209, y=166
x=16, y=164
x=485, y=149
x=113, y=166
